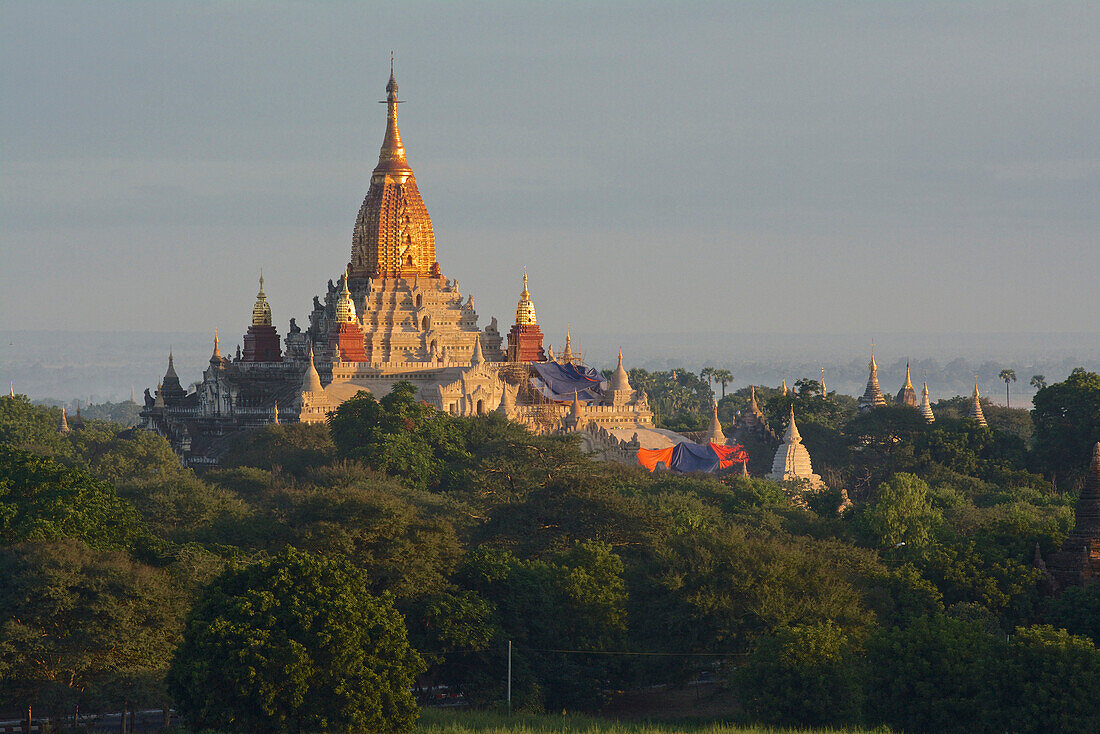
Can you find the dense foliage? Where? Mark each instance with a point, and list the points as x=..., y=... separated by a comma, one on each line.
x=295, y=644
x=918, y=608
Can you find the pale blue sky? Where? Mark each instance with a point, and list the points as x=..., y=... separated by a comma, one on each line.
x=758, y=167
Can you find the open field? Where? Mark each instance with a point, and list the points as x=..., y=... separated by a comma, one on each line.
x=433, y=721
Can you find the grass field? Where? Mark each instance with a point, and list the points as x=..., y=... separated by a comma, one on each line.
x=434, y=721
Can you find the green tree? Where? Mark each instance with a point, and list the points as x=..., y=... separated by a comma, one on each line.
x=707, y=373
x=1008, y=376
x=1077, y=610
x=938, y=674
x=400, y=436
x=1067, y=424
x=1052, y=682
x=1038, y=382
x=41, y=499
x=76, y=623
x=804, y=676
x=900, y=514
x=29, y=426
x=295, y=644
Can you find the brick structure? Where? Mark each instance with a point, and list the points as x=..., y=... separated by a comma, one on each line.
x=1078, y=562
x=261, y=343
x=525, y=337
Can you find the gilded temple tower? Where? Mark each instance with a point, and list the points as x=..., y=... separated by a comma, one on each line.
x=393, y=234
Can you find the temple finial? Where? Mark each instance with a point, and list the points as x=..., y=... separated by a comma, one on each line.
x=391, y=157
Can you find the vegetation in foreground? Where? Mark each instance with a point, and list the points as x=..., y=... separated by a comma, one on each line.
x=919, y=609
x=434, y=721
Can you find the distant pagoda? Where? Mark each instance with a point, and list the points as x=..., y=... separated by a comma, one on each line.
x=906, y=395
x=925, y=406
x=872, y=396
x=976, y=406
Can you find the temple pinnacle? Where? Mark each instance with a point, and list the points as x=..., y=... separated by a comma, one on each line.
x=391, y=157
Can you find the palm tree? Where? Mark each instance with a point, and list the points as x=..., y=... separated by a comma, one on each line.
x=1008, y=376
x=707, y=373
x=1038, y=382
x=723, y=377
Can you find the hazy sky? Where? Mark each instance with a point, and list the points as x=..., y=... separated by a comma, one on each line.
x=838, y=167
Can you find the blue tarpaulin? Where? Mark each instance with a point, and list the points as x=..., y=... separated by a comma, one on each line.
x=689, y=457
x=562, y=380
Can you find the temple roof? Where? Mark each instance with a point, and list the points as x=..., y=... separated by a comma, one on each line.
x=567, y=354
x=393, y=233
x=261, y=312
x=906, y=395
x=925, y=406
x=792, y=460
x=872, y=396
x=976, y=406
x=525, y=309
x=215, y=357
x=714, y=431
x=391, y=156
x=620, y=380
x=479, y=355
x=311, y=381
x=345, y=308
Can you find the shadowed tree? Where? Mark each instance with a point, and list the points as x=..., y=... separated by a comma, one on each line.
x=295, y=644
x=1009, y=376
x=1038, y=382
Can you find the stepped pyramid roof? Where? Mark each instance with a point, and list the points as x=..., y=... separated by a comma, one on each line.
x=906, y=395
x=976, y=406
x=261, y=312
x=872, y=396
x=925, y=406
x=792, y=460
x=525, y=309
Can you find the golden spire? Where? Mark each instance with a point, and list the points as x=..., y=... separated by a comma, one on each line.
x=345, y=308
x=873, y=366
x=908, y=381
x=11, y=388
x=275, y=415
x=217, y=355
x=261, y=312
x=824, y=392
x=976, y=406
x=525, y=310
x=783, y=388
x=567, y=355
x=391, y=158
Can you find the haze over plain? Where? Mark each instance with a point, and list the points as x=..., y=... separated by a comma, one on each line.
x=660, y=168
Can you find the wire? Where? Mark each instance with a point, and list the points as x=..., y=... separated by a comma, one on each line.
x=625, y=653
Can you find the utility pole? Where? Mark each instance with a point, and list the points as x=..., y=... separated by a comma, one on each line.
x=509, y=677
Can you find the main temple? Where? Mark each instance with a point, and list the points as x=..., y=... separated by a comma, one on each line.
x=390, y=316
